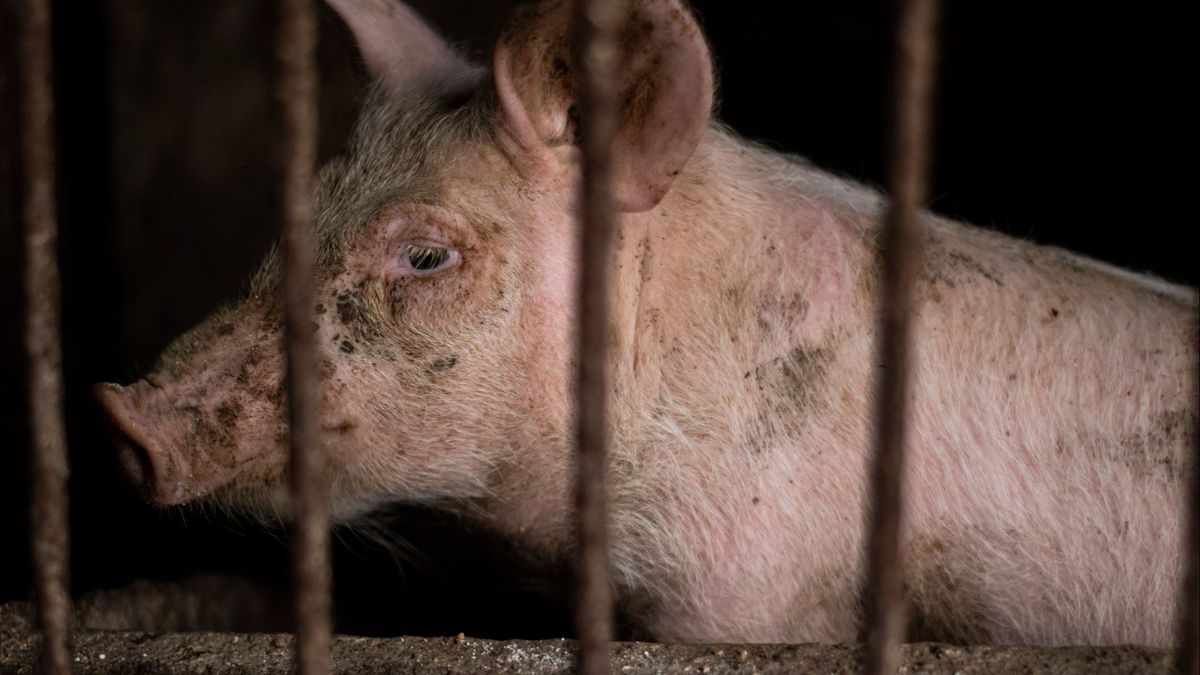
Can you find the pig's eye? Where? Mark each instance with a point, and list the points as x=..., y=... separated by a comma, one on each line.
x=422, y=259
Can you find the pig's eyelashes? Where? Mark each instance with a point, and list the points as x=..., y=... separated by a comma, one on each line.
x=423, y=259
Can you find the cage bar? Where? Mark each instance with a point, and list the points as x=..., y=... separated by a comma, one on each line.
x=596, y=29
x=43, y=342
x=297, y=90
x=902, y=247
x=1189, y=602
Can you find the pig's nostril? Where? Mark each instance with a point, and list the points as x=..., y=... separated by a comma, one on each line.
x=133, y=454
x=136, y=461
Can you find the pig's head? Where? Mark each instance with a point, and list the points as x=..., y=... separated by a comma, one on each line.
x=445, y=282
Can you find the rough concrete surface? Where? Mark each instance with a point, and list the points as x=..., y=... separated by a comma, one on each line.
x=102, y=651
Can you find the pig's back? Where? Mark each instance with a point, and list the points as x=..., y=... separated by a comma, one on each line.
x=1043, y=498
x=1053, y=423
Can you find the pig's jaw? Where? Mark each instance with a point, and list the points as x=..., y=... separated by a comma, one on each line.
x=270, y=503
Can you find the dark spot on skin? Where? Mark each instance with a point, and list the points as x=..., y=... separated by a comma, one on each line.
x=274, y=394
x=281, y=434
x=635, y=30
x=347, y=346
x=734, y=295
x=948, y=267
x=443, y=364
x=1161, y=450
x=799, y=368
x=781, y=314
x=250, y=361
x=352, y=313
x=1053, y=313
x=208, y=442
x=786, y=389
x=645, y=270
x=755, y=501
x=228, y=413
x=347, y=309
x=1157, y=452
x=936, y=278
x=271, y=322
x=973, y=265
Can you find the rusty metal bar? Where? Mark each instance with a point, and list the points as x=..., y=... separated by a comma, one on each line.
x=596, y=29
x=1189, y=602
x=297, y=91
x=43, y=343
x=904, y=235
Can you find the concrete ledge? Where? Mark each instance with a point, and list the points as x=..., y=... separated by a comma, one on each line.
x=99, y=651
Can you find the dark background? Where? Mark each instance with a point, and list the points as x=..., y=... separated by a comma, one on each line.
x=1065, y=123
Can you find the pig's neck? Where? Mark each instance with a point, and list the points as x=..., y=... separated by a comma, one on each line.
x=729, y=298
x=736, y=300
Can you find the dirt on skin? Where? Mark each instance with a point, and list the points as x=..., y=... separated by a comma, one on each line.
x=102, y=651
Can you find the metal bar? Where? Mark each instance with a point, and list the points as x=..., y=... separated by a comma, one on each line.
x=902, y=248
x=1189, y=603
x=297, y=91
x=596, y=25
x=43, y=343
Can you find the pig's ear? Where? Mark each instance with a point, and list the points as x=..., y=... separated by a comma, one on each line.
x=398, y=47
x=664, y=85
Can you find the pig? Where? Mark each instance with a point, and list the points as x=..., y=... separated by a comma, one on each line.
x=1052, y=413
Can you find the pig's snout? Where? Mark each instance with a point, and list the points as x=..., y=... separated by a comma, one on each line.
x=150, y=466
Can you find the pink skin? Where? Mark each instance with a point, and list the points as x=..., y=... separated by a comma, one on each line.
x=1051, y=418
x=180, y=441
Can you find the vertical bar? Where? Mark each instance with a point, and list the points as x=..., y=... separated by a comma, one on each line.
x=596, y=26
x=310, y=501
x=902, y=247
x=43, y=346
x=1189, y=602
